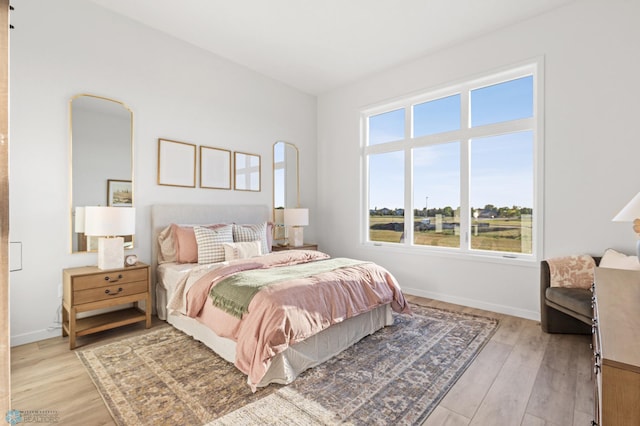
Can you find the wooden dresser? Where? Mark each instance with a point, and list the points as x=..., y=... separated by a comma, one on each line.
x=88, y=289
x=616, y=343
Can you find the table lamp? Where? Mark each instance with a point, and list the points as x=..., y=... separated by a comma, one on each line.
x=295, y=219
x=631, y=213
x=109, y=223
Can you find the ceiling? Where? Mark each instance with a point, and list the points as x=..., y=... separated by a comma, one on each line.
x=316, y=46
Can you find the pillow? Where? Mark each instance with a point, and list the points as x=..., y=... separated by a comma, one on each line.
x=210, y=243
x=248, y=233
x=166, y=246
x=186, y=247
x=571, y=271
x=245, y=250
x=269, y=236
x=184, y=241
x=617, y=260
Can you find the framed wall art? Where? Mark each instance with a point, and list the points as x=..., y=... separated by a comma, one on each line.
x=119, y=193
x=247, y=168
x=215, y=168
x=176, y=163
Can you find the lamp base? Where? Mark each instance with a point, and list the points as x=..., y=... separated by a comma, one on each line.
x=111, y=253
x=295, y=236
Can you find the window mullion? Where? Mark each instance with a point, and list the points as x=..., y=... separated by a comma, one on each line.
x=408, y=178
x=465, y=168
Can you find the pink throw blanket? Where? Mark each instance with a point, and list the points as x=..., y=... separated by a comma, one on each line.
x=288, y=312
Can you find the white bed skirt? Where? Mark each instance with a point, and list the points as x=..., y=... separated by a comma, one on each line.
x=286, y=366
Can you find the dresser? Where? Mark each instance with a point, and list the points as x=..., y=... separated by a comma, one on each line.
x=88, y=289
x=616, y=343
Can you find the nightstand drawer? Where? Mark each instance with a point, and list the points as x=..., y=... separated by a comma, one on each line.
x=112, y=278
x=112, y=291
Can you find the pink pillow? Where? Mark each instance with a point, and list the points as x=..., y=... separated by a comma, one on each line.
x=185, y=243
x=186, y=246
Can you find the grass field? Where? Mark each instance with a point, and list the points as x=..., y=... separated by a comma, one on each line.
x=507, y=235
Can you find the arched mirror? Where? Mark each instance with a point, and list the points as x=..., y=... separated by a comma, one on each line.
x=101, y=146
x=286, y=191
x=286, y=182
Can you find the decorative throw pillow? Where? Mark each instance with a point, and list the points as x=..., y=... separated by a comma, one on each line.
x=185, y=244
x=571, y=271
x=616, y=260
x=254, y=232
x=166, y=246
x=210, y=243
x=245, y=250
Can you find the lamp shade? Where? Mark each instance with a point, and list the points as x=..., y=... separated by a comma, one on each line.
x=296, y=217
x=630, y=212
x=109, y=221
x=79, y=220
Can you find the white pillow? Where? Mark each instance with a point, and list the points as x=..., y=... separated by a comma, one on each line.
x=617, y=260
x=243, y=250
x=210, y=243
x=252, y=232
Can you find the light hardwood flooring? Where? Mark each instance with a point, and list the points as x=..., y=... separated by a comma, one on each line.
x=521, y=377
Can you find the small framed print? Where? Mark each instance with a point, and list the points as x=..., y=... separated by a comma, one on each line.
x=176, y=163
x=247, y=176
x=119, y=193
x=215, y=168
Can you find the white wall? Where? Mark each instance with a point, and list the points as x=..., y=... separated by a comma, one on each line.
x=592, y=86
x=176, y=91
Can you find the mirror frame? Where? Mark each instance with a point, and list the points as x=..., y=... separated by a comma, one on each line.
x=297, y=165
x=131, y=145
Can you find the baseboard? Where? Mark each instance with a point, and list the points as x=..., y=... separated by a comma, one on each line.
x=472, y=303
x=35, y=336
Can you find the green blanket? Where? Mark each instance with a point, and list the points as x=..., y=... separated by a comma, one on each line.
x=234, y=293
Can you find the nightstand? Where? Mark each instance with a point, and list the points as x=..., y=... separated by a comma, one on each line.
x=88, y=288
x=305, y=246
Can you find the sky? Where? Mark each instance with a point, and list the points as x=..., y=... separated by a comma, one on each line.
x=501, y=166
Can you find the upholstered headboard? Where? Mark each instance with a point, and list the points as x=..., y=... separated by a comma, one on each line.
x=163, y=215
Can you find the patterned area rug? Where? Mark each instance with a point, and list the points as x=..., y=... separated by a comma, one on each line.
x=395, y=376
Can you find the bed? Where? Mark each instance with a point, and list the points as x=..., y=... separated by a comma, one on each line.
x=278, y=359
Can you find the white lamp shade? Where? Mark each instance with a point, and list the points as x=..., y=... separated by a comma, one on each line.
x=630, y=212
x=79, y=221
x=109, y=221
x=296, y=217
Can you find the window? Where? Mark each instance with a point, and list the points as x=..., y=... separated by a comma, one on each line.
x=456, y=169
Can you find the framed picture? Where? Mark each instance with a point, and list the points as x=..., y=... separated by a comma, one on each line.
x=247, y=176
x=119, y=193
x=215, y=168
x=176, y=163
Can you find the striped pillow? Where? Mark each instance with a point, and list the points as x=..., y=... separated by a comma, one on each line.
x=254, y=232
x=210, y=243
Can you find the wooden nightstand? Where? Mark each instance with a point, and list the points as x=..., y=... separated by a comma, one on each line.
x=88, y=288
x=305, y=246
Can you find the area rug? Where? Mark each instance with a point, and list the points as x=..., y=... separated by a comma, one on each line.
x=395, y=376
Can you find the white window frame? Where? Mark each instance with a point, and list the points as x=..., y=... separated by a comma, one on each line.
x=463, y=135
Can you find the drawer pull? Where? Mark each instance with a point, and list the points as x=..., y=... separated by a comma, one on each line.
x=107, y=291
x=108, y=278
x=596, y=369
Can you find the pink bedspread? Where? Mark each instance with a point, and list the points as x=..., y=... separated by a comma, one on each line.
x=285, y=313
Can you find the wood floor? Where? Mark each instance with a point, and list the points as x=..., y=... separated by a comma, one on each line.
x=522, y=377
